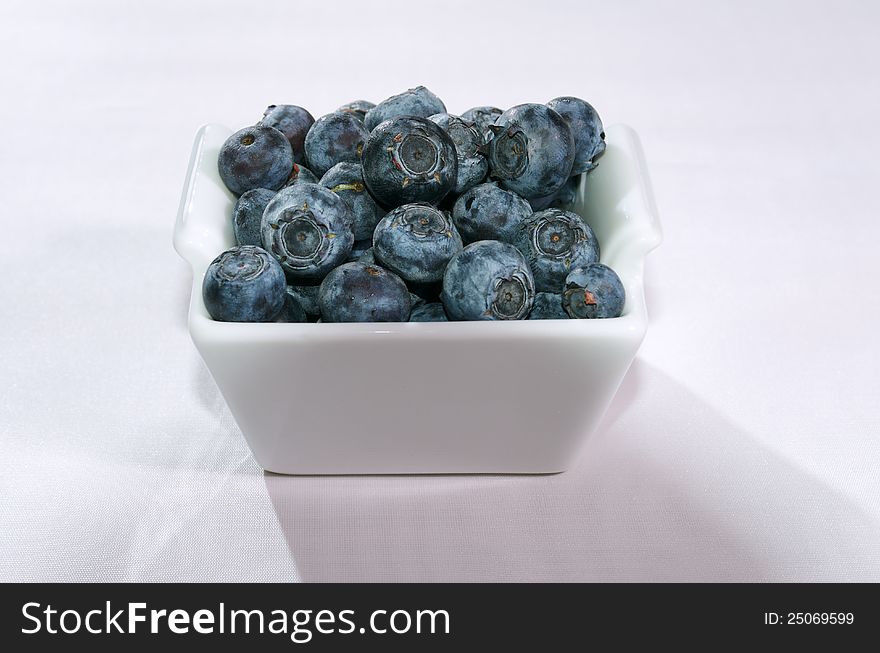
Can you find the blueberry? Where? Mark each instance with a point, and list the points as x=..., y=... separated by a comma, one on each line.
x=567, y=195
x=247, y=215
x=358, y=108
x=244, y=284
x=407, y=160
x=563, y=198
x=308, y=229
x=417, y=101
x=472, y=165
x=359, y=249
x=416, y=241
x=531, y=151
x=488, y=212
x=554, y=242
x=292, y=121
x=347, y=180
x=301, y=174
x=333, y=138
x=292, y=311
x=543, y=202
x=586, y=127
x=548, y=306
x=594, y=291
x=488, y=280
x=428, y=312
x=367, y=257
x=255, y=157
x=482, y=117
x=306, y=297
x=357, y=292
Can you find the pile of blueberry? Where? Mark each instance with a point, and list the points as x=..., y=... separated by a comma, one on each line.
x=401, y=211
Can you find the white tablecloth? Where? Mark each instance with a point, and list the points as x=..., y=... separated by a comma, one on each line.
x=744, y=442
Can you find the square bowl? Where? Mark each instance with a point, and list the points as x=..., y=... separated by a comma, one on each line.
x=429, y=397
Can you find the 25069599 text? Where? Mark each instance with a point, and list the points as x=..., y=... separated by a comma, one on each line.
x=809, y=618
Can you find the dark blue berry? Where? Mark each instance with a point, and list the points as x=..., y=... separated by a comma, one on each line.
x=347, y=180
x=255, y=157
x=541, y=203
x=247, y=216
x=292, y=121
x=594, y=291
x=292, y=311
x=428, y=312
x=301, y=174
x=357, y=292
x=416, y=241
x=531, y=151
x=586, y=127
x=244, y=284
x=417, y=101
x=472, y=165
x=488, y=212
x=407, y=160
x=368, y=257
x=333, y=138
x=308, y=229
x=548, y=306
x=306, y=297
x=555, y=242
x=567, y=195
x=358, y=108
x=563, y=198
x=482, y=117
x=488, y=280
x=359, y=249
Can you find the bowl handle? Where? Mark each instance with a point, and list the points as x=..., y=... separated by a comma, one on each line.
x=203, y=228
x=647, y=192
x=184, y=243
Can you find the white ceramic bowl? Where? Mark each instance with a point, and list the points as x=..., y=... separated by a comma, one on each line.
x=419, y=398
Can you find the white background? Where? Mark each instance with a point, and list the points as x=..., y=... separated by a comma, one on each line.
x=743, y=444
